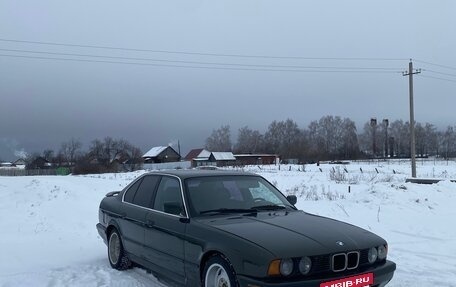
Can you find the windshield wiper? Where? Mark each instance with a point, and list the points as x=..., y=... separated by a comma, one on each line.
x=253, y=209
x=269, y=207
x=228, y=210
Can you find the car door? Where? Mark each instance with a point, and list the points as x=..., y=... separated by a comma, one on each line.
x=136, y=199
x=165, y=230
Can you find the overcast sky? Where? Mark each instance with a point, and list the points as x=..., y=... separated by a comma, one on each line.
x=45, y=102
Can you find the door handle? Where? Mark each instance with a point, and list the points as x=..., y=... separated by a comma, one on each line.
x=150, y=223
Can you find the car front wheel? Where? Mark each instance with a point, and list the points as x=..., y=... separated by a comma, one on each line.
x=116, y=253
x=218, y=272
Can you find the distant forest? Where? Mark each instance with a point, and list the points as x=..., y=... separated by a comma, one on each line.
x=336, y=138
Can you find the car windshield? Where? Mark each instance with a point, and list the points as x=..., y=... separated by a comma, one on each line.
x=233, y=194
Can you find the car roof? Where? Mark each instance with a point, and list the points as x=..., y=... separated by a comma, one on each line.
x=191, y=173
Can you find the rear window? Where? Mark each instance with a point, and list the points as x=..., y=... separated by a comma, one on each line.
x=130, y=193
x=145, y=192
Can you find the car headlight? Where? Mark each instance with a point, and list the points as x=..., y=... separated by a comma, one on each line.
x=286, y=267
x=372, y=255
x=305, y=264
x=382, y=251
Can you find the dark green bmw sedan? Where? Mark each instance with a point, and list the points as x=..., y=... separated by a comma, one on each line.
x=228, y=229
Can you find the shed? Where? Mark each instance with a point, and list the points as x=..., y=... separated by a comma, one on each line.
x=222, y=158
x=6, y=164
x=255, y=159
x=161, y=154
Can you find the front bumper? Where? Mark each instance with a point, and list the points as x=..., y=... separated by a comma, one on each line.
x=382, y=275
x=102, y=231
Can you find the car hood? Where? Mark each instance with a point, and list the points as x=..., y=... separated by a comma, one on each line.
x=295, y=233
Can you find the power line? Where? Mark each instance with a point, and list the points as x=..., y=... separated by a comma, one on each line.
x=201, y=63
x=434, y=64
x=198, y=67
x=437, y=78
x=440, y=73
x=202, y=53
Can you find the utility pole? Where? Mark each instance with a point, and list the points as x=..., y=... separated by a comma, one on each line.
x=373, y=124
x=385, y=125
x=410, y=73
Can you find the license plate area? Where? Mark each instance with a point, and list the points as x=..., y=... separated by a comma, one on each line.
x=363, y=280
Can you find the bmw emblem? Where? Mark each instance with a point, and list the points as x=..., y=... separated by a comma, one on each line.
x=340, y=243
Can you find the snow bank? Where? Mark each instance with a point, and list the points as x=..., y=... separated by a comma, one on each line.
x=49, y=236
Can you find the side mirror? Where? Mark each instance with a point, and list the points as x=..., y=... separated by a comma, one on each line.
x=172, y=207
x=292, y=199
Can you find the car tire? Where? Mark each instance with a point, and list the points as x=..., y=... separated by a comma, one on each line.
x=218, y=272
x=116, y=253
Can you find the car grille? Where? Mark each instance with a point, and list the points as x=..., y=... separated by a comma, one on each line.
x=320, y=263
x=352, y=260
x=339, y=262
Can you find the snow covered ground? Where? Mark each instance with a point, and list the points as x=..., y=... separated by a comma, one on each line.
x=48, y=233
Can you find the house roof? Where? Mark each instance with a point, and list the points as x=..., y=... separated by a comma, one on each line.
x=223, y=156
x=155, y=151
x=19, y=161
x=205, y=154
x=193, y=153
x=198, y=154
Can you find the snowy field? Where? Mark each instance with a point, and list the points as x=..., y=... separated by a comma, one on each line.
x=48, y=233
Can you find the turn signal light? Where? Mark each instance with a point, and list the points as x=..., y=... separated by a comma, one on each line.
x=274, y=268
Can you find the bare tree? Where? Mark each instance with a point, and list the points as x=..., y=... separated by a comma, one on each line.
x=135, y=158
x=249, y=141
x=97, y=151
x=70, y=150
x=420, y=139
x=110, y=155
x=115, y=149
x=48, y=154
x=220, y=139
x=400, y=133
x=315, y=141
x=333, y=138
x=273, y=137
x=448, y=142
x=284, y=138
x=431, y=141
x=108, y=150
x=349, y=138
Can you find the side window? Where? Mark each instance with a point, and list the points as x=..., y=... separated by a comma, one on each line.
x=130, y=193
x=169, y=198
x=143, y=196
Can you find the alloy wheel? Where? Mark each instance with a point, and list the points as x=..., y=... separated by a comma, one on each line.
x=216, y=276
x=114, y=248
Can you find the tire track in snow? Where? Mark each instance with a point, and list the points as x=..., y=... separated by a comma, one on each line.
x=99, y=274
